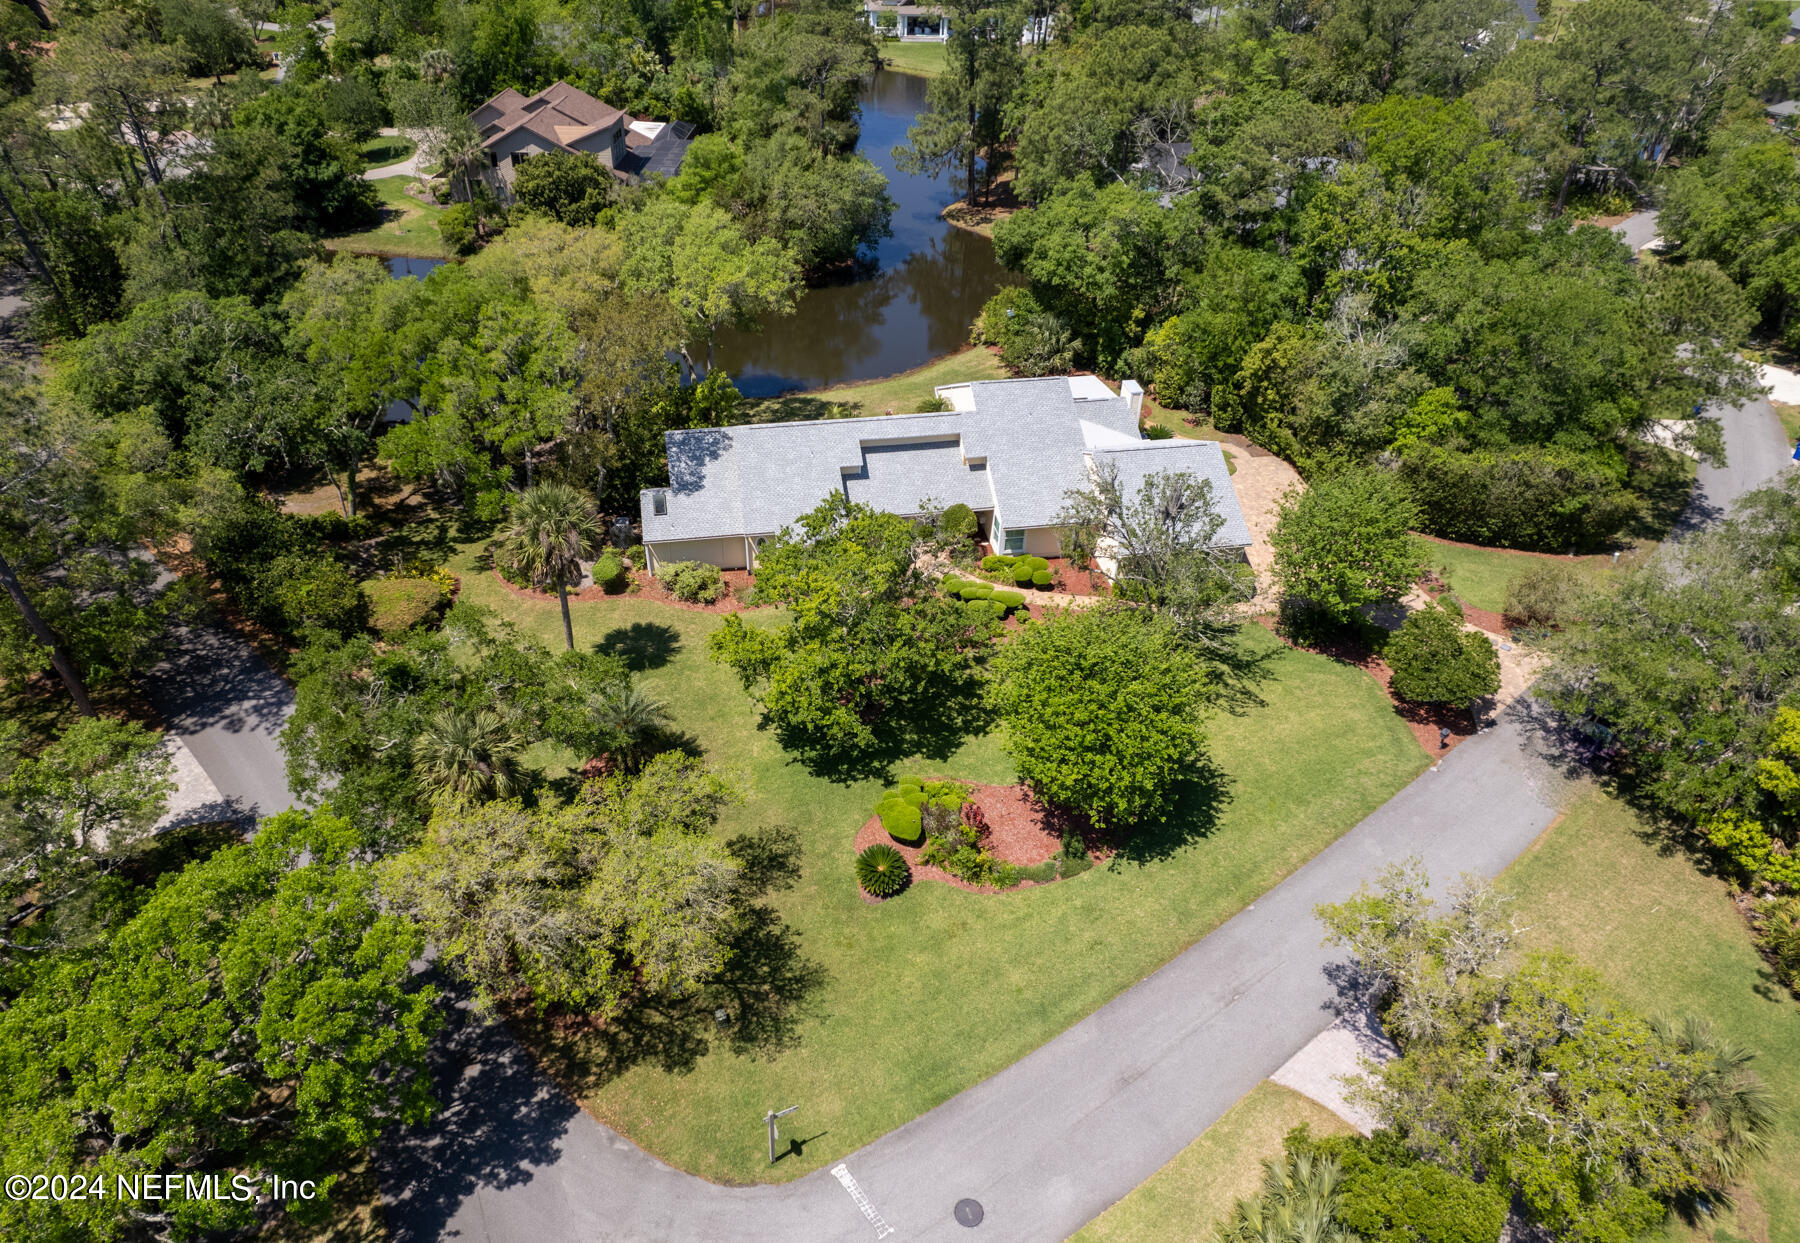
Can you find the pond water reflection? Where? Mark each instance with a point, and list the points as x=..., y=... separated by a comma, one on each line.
x=931, y=281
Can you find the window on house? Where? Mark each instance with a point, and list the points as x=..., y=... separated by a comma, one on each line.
x=659, y=504
x=1015, y=543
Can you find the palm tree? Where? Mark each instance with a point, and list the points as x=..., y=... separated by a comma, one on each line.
x=1736, y=1110
x=1295, y=1205
x=554, y=528
x=628, y=715
x=469, y=752
x=436, y=65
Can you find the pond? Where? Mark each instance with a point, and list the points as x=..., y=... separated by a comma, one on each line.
x=930, y=283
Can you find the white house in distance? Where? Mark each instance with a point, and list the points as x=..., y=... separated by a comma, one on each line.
x=1008, y=449
x=915, y=23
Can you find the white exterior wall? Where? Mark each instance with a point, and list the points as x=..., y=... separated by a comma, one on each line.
x=1043, y=541
x=728, y=552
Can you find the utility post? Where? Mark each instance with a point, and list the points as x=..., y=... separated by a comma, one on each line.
x=770, y=1118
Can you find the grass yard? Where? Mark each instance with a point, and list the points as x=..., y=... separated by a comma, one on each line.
x=1185, y=1200
x=384, y=149
x=897, y=394
x=1668, y=939
x=1479, y=576
x=1790, y=418
x=408, y=226
x=925, y=59
x=903, y=1005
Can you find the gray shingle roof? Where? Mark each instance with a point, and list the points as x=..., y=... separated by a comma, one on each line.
x=1023, y=445
x=1202, y=459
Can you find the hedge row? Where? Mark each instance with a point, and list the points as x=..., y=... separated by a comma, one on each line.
x=973, y=590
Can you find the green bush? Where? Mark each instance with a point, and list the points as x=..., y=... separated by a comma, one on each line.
x=1451, y=605
x=1388, y=1196
x=958, y=524
x=1436, y=661
x=635, y=556
x=1156, y=431
x=1036, y=563
x=1022, y=573
x=1002, y=314
x=881, y=871
x=1550, y=499
x=976, y=591
x=1042, y=580
x=396, y=605
x=994, y=562
x=1008, y=599
x=456, y=227
x=308, y=590
x=1778, y=928
x=696, y=582
x=1544, y=597
x=609, y=574
x=903, y=821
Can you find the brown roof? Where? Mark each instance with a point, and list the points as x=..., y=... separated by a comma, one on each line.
x=550, y=114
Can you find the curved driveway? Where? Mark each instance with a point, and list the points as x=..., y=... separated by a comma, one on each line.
x=1052, y=1140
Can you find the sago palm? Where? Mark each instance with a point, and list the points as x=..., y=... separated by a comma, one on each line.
x=630, y=718
x=1295, y=1205
x=552, y=531
x=468, y=752
x=1736, y=1110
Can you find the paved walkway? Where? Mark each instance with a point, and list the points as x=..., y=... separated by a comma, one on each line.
x=409, y=167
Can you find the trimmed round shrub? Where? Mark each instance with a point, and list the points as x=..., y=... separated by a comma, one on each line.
x=396, y=605
x=913, y=798
x=995, y=562
x=1037, y=563
x=1009, y=599
x=609, y=573
x=976, y=591
x=881, y=871
x=1022, y=573
x=904, y=822
x=958, y=524
x=1041, y=580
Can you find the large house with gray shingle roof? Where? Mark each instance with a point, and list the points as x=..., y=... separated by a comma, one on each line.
x=515, y=127
x=1008, y=449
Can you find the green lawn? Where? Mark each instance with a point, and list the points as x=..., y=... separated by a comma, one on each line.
x=383, y=150
x=917, y=999
x=926, y=59
x=1668, y=939
x=1790, y=418
x=898, y=394
x=408, y=226
x=1479, y=576
x=1185, y=1200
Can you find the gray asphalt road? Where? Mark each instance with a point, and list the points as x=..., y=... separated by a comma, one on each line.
x=1046, y=1144
x=1638, y=230
x=228, y=706
x=1756, y=451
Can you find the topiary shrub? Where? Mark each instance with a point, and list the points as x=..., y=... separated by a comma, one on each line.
x=994, y=562
x=976, y=591
x=1021, y=574
x=881, y=871
x=695, y=582
x=1036, y=563
x=609, y=573
x=1041, y=580
x=904, y=822
x=396, y=605
x=1008, y=599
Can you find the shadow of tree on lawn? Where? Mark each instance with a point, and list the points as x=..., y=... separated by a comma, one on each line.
x=641, y=645
x=1203, y=797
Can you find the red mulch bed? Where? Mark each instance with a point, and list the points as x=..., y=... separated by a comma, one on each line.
x=1021, y=830
x=647, y=589
x=1424, y=720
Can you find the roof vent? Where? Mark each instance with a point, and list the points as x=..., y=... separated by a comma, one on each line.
x=659, y=503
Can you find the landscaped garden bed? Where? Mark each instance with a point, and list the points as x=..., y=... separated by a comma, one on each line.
x=1029, y=842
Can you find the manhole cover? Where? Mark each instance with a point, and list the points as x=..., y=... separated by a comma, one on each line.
x=968, y=1212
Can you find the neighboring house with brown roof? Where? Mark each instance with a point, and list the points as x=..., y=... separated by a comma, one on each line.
x=515, y=127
